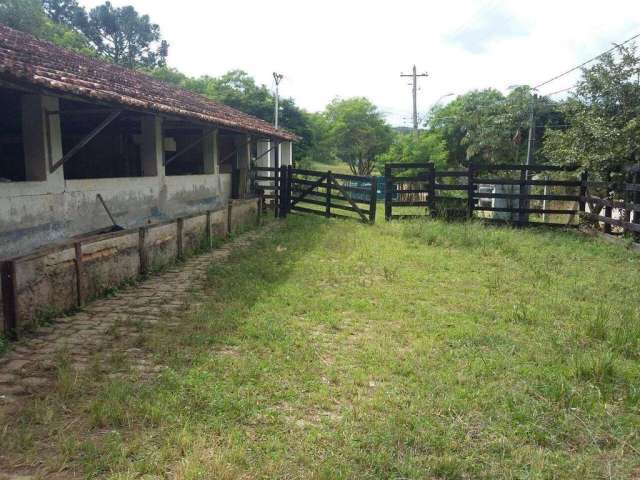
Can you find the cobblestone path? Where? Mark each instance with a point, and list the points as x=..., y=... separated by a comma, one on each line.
x=110, y=323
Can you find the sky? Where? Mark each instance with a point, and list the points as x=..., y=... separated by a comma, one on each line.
x=347, y=48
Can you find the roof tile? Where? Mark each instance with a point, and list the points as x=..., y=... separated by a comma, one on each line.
x=25, y=59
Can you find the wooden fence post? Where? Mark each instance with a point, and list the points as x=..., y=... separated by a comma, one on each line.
x=608, y=211
x=288, y=202
x=432, y=190
x=523, y=218
x=470, y=189
x=79, y=273
x=388, y=194
x=582, y=204
x=208, y=232
x=179, y=242
x=282, y=172
x=327, y=201
x=142, y=250
x=636, y=202
x=373, y=201
x=276, y=191
x=9, y=299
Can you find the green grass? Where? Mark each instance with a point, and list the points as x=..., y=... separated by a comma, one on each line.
x=332, y=349
x=339, y=167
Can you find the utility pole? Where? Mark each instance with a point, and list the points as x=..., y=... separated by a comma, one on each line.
x=524, y=216
x=277, y=77
x=532, y=129
x=414, y=75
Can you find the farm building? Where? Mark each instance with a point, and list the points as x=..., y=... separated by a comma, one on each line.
x=88, y=147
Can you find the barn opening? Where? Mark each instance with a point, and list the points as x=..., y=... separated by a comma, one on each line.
x=115, y=152
x=12, y=157
x=184, y=148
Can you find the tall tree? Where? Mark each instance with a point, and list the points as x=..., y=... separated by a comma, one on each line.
x=359, y=133
x=603, y=115
x=126, y=37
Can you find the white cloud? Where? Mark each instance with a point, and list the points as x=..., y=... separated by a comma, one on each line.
x=348, y=48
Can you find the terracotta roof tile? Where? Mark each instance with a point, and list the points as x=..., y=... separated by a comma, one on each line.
x=25, y=59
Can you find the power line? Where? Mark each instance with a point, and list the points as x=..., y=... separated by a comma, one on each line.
x=617, y=46
x=560, y=91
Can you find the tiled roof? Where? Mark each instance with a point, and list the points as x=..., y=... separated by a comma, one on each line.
x=26, y=60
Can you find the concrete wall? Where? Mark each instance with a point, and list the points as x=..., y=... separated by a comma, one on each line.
x=36, y=213
x=68, y=275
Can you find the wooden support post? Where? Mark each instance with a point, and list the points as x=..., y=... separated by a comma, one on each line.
x=142, y=250
x=179, y=240
x=327, y=201
x=9, y=299
x=373, y=201
x=388, y=193
x=470, y=189
x=80, y=290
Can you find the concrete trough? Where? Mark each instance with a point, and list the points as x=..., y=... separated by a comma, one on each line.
x=71, y=273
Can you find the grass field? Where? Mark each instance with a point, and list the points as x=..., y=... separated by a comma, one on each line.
x=332, y=349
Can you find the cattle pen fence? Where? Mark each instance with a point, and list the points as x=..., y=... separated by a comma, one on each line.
x=516, y=194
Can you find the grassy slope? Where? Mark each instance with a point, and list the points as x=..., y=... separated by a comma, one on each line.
x=403, y=350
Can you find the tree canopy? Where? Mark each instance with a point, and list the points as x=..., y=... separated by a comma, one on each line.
x=489, y=127
x=412, y=148
x=118, y=34
x=358, y=133
x=603, y=132
x=123, y=36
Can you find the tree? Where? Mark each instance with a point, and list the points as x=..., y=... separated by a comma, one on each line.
x=488, y=127
x=67, y=12
x=411, y=148
x=24, y=15
x=239, y=90
x=358, y=132
x=125, y=37
x=29, y=16
x=603, y=135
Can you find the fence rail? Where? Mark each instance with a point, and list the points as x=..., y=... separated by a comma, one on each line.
x=519, y=194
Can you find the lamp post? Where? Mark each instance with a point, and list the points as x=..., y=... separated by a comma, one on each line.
x=277, y=77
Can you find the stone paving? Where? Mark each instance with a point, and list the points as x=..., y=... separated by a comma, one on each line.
x=30, y=365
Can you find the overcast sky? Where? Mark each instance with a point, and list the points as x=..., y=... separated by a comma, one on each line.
x=329, y=48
